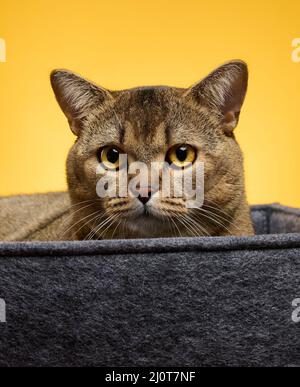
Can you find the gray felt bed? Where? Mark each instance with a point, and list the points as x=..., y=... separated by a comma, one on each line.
x=158, y=302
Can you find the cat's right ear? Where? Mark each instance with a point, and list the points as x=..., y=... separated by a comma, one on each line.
x=77, y=97
x=223, y=90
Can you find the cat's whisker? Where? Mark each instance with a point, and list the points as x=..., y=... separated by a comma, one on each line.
x=81, y=202
x=198, y=225
x=71, y=207
x=79, y=221
x=216, y=207
x=122, y=231
x=181, y=219
x=170, y=221
x=93, y=220
x=215, y=221
x=228, y=219
x=112, y=235
x=93, y=231
x=102, y=224
x=219, y=217
x=71, y=212
x=172, y=227
x=110, y=223
x=71, y=215
x=175, y=225
x=187, y=225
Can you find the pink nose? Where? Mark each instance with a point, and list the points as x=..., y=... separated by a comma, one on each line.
x=145, y=194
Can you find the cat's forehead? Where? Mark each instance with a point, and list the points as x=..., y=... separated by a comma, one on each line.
x=144, y=115
x=159, y=116
x=146, y=120
x=146, y=107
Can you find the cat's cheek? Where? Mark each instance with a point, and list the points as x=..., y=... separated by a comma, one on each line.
x=210, y=172
x=90, y=171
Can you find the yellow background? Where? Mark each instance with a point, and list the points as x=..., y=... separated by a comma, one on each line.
x=121, y=44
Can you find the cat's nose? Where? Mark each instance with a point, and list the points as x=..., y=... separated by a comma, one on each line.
x=145, y=194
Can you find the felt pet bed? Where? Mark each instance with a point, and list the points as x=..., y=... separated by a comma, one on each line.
x=223, y=301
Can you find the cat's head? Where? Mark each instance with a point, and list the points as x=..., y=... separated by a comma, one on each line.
x=154, y=124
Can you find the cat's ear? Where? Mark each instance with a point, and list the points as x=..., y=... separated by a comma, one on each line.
x=77, y=97
x=224, y=90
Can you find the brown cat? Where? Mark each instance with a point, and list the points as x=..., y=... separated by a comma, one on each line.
x=151, y=124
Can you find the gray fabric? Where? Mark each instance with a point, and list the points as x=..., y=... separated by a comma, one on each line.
x=156, y=302
x=34, y=217
x=275, y=219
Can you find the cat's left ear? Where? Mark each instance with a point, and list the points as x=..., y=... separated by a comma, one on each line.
x=77, y=97
x=223, y=90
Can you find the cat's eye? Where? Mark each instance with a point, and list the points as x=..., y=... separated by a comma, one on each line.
x=109, y=157
x=181, y=155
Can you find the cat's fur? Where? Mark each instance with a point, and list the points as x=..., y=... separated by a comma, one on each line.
x=145, y=122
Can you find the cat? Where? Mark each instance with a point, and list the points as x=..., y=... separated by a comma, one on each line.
x=149, y=124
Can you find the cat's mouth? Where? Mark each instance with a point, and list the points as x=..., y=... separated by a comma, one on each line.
x=146, y=224
x=153, y=219
x=149, y=218
x=146, y=213
x=156, y=212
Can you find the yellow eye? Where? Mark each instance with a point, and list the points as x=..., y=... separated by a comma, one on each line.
x=181, y=155
x=109, y=157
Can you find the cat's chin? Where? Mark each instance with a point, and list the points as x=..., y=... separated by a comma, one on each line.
x=147, y=224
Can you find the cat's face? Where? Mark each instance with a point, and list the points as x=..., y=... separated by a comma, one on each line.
x=150, y=125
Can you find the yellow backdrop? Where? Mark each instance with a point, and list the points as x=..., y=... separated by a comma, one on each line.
x=126, y=43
